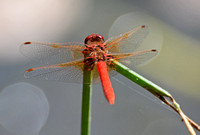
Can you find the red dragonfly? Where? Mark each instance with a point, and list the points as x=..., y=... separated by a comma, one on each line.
x=64, y=61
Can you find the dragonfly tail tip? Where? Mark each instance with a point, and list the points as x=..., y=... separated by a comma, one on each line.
x=111, y=101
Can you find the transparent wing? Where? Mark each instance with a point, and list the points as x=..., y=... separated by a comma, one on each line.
x=52, y=53
x=136, y=58
x=66, y=72
x=127, y=42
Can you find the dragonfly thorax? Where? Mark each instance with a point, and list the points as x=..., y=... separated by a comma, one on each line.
x=94, y=53
x=95, y=50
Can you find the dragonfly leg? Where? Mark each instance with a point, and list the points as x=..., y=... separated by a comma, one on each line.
x=92, y=67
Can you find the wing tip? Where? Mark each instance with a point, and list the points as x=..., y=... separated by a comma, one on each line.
x=154, y=50
x=29, y=70
x=27, y=43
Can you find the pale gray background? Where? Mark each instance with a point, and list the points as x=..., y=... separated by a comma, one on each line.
x=175, y=69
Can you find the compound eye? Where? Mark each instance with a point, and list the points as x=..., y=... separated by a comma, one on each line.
x=100, y=37
x=93, y=38
x=88, y=38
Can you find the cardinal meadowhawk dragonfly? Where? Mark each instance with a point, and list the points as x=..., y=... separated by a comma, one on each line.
x=64, y=61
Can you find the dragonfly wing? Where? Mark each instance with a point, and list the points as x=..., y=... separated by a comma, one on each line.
x=65, y=72
x=134, y=59
x=52, y=53
x=127, y=42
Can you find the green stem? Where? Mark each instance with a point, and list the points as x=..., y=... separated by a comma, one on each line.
x=140, y=80
x=86, y=101
x=155, y=90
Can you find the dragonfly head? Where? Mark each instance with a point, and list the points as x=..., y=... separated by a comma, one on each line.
x=94, y=38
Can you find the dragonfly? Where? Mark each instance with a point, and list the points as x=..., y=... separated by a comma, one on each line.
x=65, y=61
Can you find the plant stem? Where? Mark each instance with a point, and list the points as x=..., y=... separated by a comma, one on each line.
x=155, y=90
x=86, y=101
x=140, y=80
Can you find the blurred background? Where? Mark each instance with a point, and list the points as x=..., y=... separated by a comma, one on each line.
x=32, y=107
